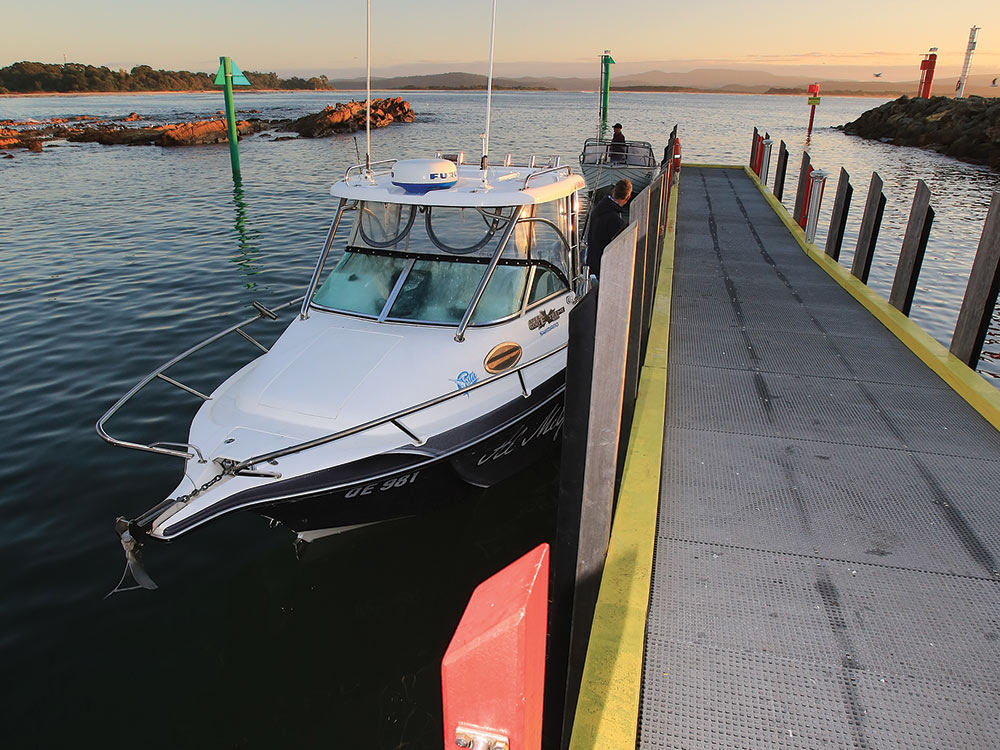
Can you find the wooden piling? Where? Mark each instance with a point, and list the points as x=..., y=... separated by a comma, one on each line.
x=911, y=255
x=614, y=308
x=649, y=263
x=871, y=222
x=801, y=188
x=779, y=171
x=563, y=675
x=981, y=293
x=838, y=221
x=753, y=145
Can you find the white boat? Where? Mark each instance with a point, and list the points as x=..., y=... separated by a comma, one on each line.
x=605, y=162
x=426, y=356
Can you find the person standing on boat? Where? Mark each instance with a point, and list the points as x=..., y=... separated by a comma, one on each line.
x=606, y=223
x=617, y=151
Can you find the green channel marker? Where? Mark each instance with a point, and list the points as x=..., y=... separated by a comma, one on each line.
x=229, y=75
x=606, y=62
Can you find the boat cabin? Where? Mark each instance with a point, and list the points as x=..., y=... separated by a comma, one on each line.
x=473, y=251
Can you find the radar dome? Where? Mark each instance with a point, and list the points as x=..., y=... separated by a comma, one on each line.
x=423, y=175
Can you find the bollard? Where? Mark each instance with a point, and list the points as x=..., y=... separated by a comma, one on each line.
x=493, y=673
x=814, y=197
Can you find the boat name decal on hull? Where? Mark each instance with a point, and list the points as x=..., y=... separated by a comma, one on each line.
x=551, y=424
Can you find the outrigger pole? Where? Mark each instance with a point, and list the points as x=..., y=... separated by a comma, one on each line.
x=368, y=100
x=489, y=96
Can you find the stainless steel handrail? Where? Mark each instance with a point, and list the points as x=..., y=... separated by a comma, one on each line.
x=327, y=244
x=158, y=373
x=299, y=447
x=386, y=165
x=471, y=309
x=541, y=172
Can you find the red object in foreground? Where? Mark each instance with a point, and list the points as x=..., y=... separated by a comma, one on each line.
x=493, y=673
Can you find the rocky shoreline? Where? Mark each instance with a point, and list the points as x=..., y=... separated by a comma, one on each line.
x=345, y=117
x=967, y=129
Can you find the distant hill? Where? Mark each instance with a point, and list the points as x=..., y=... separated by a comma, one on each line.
x=31, y=77
x=450, y=81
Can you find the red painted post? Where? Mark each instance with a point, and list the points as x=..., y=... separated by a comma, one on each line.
x=677, y=155
x=806, y=190
x=493, y=673
x=927, y=74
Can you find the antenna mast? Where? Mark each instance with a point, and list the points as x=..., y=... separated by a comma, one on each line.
x=489, y=95
x=368, y=101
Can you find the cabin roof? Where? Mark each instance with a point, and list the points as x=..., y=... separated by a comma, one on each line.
x=505, y=186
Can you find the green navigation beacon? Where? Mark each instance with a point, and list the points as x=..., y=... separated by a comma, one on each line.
x=229, y=75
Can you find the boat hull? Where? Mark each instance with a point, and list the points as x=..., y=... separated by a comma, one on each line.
x=404, y=483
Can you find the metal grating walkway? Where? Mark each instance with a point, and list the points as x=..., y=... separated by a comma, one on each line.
x=826, y=561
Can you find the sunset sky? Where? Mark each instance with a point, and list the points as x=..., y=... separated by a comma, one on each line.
x=557, y=37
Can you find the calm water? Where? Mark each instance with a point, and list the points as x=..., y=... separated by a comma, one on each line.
x=116, y=258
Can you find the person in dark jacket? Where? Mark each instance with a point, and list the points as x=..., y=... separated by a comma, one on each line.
x=606, y=223
x=618, y=150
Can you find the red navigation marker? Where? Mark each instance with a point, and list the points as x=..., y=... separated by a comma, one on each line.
x=812, y=101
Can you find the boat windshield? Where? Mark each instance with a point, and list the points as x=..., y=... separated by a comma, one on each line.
x=424, y=263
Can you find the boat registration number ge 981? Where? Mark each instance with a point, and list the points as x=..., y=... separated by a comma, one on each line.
x=388, y=484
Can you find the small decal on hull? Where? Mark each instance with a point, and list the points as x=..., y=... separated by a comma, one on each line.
x=502, y=357
x=545, y=317
x=465, y=378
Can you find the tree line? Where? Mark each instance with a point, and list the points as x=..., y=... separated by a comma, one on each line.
x=35, y=77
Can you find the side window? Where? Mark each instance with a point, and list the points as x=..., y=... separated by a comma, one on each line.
x=547, y=244
x=545, y=282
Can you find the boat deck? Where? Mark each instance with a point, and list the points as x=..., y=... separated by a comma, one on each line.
x=825, y=569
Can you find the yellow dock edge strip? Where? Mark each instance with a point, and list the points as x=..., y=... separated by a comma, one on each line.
x=695, y=165
x=965, y=381
x=607, y=711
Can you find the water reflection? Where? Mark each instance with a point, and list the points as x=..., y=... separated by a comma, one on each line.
x=247, y=238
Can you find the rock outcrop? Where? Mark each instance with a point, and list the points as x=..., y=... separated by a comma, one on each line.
x=967, y=129
x=347, y=117
x=342, y=118
x=197, y=133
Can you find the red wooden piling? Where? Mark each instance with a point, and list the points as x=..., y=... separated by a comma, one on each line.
x=806, y=190
x=493, y=673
